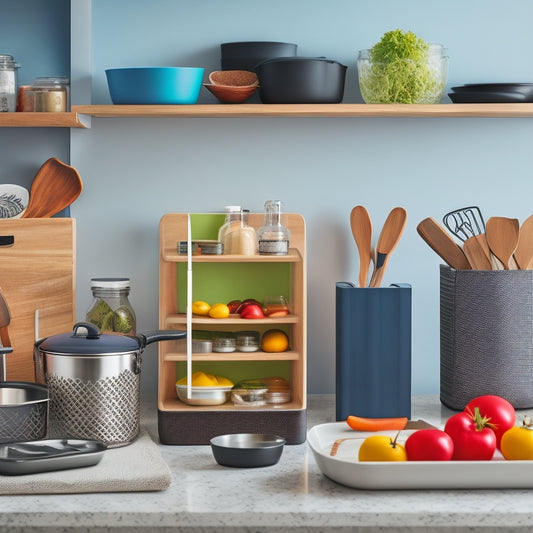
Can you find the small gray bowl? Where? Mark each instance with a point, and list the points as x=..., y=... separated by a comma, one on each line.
x=247, y=450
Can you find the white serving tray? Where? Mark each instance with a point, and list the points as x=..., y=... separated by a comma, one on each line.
x=345, y=468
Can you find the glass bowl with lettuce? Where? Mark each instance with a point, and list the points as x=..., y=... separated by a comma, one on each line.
x=402, y=68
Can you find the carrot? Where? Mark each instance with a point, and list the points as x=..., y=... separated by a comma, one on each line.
x=360, y=423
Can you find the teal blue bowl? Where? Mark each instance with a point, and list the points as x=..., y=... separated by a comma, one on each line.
x=154, y=85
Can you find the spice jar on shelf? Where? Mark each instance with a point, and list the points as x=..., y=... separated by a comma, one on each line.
x=111, y=310
x=50, y=94
x=240, y=238
x=248, y=341
x=233, y=214
x=273, y=237
x=8, y=83
x=224, y=342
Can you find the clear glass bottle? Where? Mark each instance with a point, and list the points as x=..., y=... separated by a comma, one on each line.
x=240, y=237
x=8, y=83
x=273, y=237
x=50, y=94
x=111, y=310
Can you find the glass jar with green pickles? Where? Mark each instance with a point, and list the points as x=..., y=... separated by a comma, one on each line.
x=111, y=310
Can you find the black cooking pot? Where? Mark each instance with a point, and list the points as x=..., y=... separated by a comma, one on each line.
x=245, y=55
x=301, y=80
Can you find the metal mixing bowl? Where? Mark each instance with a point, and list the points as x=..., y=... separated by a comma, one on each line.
x=247, y=450
x=23, y=411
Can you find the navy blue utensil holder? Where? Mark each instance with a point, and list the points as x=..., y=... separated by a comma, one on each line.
x=373, y=351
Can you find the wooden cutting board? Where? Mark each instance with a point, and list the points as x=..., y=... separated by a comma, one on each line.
x=37, y=273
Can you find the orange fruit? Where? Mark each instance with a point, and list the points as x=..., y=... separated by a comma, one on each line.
x=219, y=311
x=200, y=308
x=274, y=341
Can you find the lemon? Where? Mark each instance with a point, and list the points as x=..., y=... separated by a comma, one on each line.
x=200, y=308
x=274, y=340
x=219, y=311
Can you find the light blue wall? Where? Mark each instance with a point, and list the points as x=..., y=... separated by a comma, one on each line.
x=135, y=170
x=37, y=35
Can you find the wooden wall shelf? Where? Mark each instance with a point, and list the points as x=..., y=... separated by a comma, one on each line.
x=43, y=120
x=308, y=110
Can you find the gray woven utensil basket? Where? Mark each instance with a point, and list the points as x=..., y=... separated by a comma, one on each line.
x=486, y=336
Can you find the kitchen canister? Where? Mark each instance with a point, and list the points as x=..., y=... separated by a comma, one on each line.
x=486, y=336
x=50, y=94
x=373, y=351
x=8, y=83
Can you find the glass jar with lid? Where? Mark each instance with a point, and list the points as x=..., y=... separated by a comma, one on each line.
x=111, y=310
x=247, y=341
x=224, y=342
x=8, y=83
x=233, y=214
x=240, y=238
x=50, y=94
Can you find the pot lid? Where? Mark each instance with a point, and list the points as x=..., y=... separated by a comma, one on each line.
x=86, y=339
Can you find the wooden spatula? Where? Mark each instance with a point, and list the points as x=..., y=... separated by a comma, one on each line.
x=502, y=236
x=477, y=252
x=388, y=240
x=440, y=242
x=362, y=234
x=524, y=251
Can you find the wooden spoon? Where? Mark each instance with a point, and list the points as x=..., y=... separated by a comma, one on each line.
x=5, y=319
x=362, y=234
x=440, y=242
x=55, y=186
x=524, y=251
x=476, y=252
x=388, y=240
x=5, y=346
x=502, y=236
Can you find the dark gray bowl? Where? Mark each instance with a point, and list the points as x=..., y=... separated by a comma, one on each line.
x=247, y=450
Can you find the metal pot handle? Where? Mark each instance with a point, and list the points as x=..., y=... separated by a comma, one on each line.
x=161, y=335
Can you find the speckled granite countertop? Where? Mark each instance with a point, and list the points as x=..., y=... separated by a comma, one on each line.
x=290, y=496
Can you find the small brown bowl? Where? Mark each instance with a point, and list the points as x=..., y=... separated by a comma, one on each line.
x=231, y=95
x=234, y=78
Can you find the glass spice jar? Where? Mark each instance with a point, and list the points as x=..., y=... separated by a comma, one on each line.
x=8, y=83
x=248, y=341
x=240, y=237
x=224, y=342
x=111, y=310
x=50, y=94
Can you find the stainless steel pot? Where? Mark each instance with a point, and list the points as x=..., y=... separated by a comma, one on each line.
x=93, y=381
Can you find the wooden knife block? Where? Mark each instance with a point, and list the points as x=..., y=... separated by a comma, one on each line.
x=37, y=273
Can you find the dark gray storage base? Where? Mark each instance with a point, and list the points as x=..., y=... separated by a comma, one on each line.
x=199, y=427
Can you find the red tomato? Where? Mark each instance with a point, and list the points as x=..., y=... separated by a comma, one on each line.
x=429, y=445
x=498, y=410
x=472, y=439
